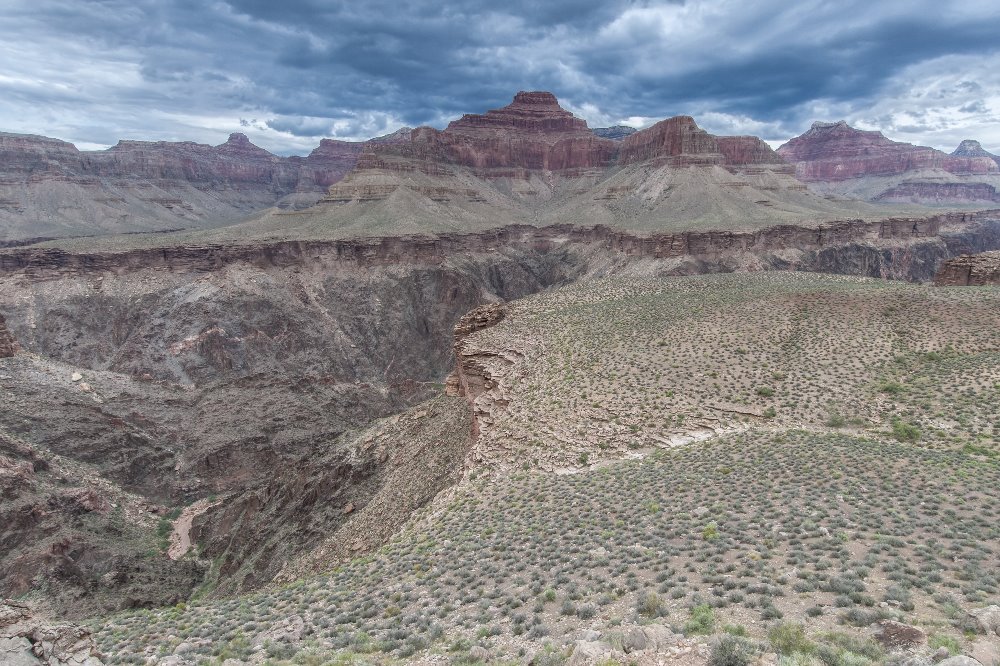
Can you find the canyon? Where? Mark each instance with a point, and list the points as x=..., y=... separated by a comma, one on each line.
x=339, y=348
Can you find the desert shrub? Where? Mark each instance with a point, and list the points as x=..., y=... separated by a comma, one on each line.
x=731, y=650
x=905, y=432
x=943, y=640
x=788, y=638
x=702, y=621
x=840, y=649
x=649, y=605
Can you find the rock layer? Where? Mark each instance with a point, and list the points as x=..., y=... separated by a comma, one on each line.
x=970, y=270
x=533, y=132
x=48, y=188
x=972, y=148
x=837, y=151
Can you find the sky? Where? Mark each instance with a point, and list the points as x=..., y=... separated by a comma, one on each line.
x=288, y=73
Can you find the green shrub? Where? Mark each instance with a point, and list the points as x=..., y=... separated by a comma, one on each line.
x=943, y=640
x=788, y=638
x=702, y=621
x=905, y=432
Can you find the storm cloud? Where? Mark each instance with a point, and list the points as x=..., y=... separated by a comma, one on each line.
x=290, y=73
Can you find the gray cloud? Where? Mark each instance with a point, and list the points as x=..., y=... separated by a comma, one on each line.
x=95, y=71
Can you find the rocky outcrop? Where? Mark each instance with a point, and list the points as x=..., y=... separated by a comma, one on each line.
x=750, y=153
x=468, y=379
x=972, y=148
x=976, y=270
x=8, y=345
x=26, y=640
x=679, y=142
x=837, y=151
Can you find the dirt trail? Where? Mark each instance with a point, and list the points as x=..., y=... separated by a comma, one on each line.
x=180, y=538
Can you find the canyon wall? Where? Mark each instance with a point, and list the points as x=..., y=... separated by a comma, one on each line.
x=970, y=270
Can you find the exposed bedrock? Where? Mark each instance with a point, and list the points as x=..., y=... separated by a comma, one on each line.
x=970, y=270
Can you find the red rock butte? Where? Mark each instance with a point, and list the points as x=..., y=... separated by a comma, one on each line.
x=532, y=132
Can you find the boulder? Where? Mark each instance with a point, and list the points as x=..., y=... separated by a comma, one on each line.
x=587, y=653
x=634, y=640
x=896, y=635
x=986, y=651
x=960, y=660
x=987, y=619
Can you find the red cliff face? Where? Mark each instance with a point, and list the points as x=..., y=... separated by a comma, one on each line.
x=676, y=141
x=745, y=153
x=327, y=164
x=679, y=142
x=237, y=163
x=533, y=132
x=836, y=151
x=30, y=154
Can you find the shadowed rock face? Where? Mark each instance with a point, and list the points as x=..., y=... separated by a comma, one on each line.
x=8, y=346
x=837, y=151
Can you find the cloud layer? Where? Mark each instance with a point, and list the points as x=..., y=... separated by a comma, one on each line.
x=290, y=73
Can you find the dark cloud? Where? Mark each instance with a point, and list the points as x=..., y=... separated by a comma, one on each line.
x=310, y=68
